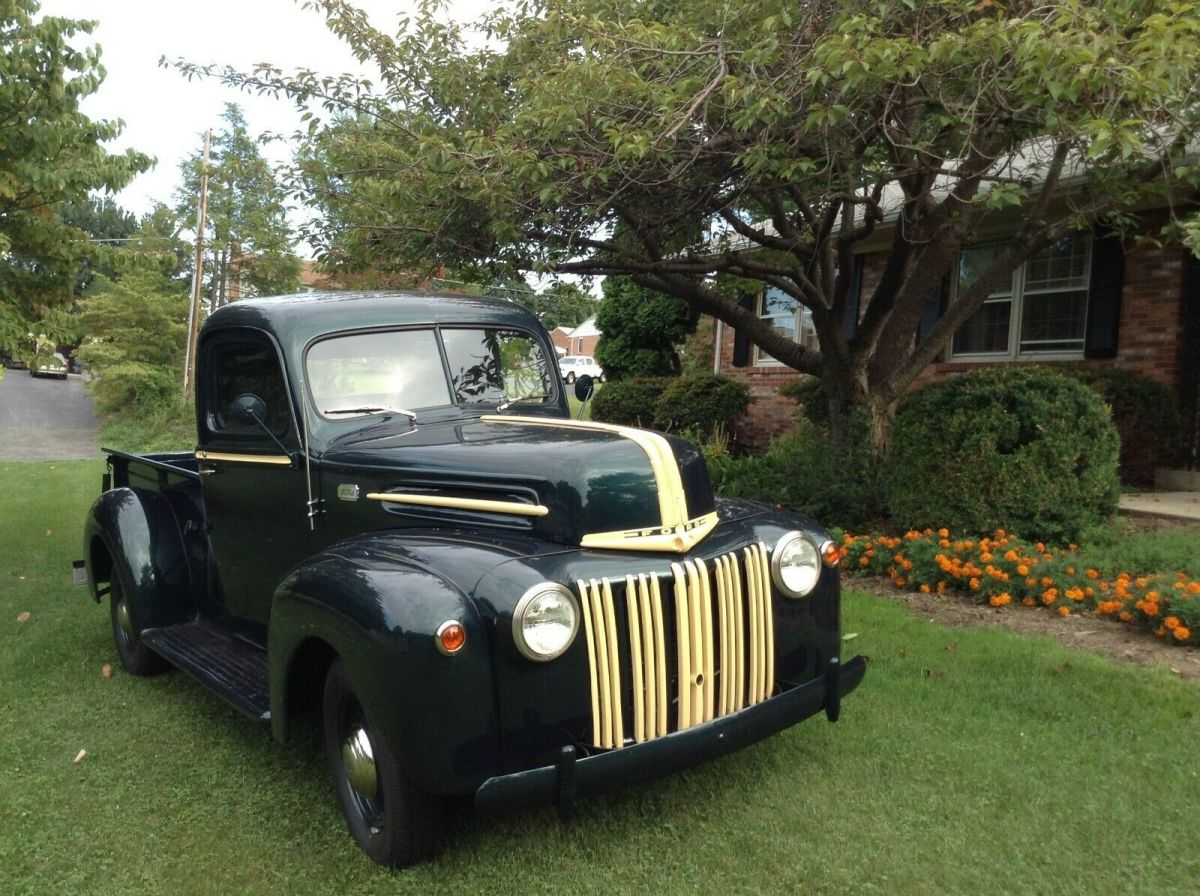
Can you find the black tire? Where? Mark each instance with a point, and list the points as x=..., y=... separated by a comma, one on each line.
x=136, y=657
x=393, y=822
x=570, y=378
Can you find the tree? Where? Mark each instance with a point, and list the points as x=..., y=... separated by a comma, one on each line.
x=639, y=330
x=107, y=225
x=248, y=241
x=136, y=327
x=564, y=304
x=50, y=154
x=788, y=133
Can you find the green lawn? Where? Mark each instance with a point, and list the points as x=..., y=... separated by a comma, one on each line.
x=970, y=761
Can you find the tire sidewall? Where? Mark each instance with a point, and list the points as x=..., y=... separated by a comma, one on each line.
x=392, y=843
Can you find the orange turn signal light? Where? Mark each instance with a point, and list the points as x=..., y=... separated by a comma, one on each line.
x=451, y=637
x=830, y=554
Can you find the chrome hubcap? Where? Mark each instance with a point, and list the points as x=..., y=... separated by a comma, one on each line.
x=125, y=618
x=358, y=759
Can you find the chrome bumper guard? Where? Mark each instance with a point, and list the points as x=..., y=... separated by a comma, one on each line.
x=570, y=777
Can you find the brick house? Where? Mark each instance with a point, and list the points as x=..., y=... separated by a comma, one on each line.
x=1089, y=299
x=582, y=340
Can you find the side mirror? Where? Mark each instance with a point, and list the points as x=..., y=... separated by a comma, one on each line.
x=248, y=409
x=584, y=387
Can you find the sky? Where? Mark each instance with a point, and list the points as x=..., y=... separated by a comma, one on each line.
x=165, y=115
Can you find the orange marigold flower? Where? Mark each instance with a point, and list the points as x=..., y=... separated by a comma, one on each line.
x=1031, y=583
x=1171, y=622
x=986, y=557
x=1047, y=581
x=1073, y=547
x=1075, y=594
x=1182, y=633
x=1160, y=631
x=1049, y=596
x=864, y=561
x=1125, y=616
x=941, y=588
x=944, y=543
x=1011, y=556
x=907, y=564
x=943, y=532
x=1029, y=602
x=1022, y=570
x=1093, y=573
x=1070, y=570
x=1064, y=611
x=1000, y=600
x=974, y=583
x=1193, y=587
x=1108, y=607
x=1041, y=547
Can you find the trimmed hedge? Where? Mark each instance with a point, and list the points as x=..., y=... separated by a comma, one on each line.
x=1147, y=419
x=629, y=402
x=698, y=405
x=803, y=472
x=701, y=404
x=1025, y=449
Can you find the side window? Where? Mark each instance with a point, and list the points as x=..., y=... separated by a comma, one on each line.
x=238, y=366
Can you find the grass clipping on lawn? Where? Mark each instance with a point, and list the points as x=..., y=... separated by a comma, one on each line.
x=970, y=760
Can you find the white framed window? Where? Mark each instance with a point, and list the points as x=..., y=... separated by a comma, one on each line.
x=787, y=317
x=1041, y=311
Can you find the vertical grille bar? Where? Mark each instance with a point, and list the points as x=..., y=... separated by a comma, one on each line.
x=733, y=642
x=614, y=668
x=660, y=656
x=585, y=602
x=683, y=646
x=637, y=659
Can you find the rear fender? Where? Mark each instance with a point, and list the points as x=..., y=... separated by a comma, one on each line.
x=134, y=534
x=380, y=615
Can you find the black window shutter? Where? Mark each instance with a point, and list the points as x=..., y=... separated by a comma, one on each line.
x=853, y=300
x=934, y=308
x=1104, y=295
x=741, y=342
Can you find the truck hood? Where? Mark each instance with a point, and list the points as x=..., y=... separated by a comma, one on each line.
x=570, y=482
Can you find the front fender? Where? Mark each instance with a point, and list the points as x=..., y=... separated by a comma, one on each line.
x=379, y=613
x=134, y=534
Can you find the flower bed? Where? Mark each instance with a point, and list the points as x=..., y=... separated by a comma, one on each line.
x=1004, y=569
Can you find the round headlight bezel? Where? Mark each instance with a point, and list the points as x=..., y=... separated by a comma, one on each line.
x=528, y=602
x=782, y=550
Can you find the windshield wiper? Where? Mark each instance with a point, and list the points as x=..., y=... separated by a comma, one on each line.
x=371, y=409
x=506, y=403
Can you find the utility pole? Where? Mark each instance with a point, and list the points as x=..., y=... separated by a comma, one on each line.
x=189, y=364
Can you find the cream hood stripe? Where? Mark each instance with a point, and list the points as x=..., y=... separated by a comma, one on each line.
x=672, y=503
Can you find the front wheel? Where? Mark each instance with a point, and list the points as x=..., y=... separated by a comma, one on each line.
x=391, y=820
x=136, y=657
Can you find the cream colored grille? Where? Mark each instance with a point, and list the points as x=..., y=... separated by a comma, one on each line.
x=700, y=638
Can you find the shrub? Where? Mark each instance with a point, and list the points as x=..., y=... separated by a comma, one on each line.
x=1026, y=449
x=1147, y=420
x=802, y=472
x=629, y=402
x=811, y=399
x=701, y=404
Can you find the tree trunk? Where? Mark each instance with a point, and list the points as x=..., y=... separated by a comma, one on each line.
x=857, y=414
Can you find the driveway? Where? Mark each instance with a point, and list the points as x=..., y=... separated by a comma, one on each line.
x=45, y=419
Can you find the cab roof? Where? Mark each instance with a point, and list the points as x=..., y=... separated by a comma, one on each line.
x=295, y=320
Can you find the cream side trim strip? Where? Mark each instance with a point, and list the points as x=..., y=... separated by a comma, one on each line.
x=512, y=508
x=275, y=460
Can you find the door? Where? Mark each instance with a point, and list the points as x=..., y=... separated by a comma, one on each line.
x=253, y=475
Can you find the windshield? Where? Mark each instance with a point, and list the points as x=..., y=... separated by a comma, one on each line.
x=365, y=373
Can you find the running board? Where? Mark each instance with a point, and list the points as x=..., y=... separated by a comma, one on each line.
x=232, y=668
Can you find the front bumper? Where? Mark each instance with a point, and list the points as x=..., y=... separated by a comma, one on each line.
x=570, y=777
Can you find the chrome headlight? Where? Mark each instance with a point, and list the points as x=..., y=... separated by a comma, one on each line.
x=795, y=564
x=545, y=621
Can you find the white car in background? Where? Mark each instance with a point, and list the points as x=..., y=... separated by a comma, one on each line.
x=575, y=366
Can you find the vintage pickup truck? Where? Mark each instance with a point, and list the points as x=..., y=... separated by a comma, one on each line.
x=390, y=518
